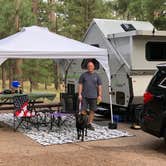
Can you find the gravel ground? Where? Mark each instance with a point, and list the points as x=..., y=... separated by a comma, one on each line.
x=143, y=149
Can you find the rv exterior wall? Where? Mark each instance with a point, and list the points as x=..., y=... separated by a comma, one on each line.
x=138, y=57
x=122, y=46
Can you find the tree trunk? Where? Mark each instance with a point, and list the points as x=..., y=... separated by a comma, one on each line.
x=45, y=84
x=17, y=7
x=3, y=76
x=86, y=15
x=52, y=16
x=56, y=77
x=18, y=70
x=31, y=85
x=10, y=72
x=35, y=4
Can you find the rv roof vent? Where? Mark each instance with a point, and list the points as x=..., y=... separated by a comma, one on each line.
x=128, y=27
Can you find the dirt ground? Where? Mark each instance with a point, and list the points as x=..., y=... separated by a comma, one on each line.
x=142, y=149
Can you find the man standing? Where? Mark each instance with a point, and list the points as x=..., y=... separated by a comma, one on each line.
x=90, y=92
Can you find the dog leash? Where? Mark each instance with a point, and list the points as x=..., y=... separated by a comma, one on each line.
x=80, y=106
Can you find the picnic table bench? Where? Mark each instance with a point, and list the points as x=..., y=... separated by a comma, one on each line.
x=6, y=100
x=47, y=107
x=9, y=105
x=37, y=106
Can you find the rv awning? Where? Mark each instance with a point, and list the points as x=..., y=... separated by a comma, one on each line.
x=39, y=43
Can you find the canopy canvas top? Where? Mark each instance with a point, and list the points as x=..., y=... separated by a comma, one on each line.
x=39, y=43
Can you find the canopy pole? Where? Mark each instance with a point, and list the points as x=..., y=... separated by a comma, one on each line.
x=111, y=124
x=110, y=97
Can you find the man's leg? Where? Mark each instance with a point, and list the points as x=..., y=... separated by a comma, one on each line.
x=93, y=107
x=84, y=106
x=91, y=116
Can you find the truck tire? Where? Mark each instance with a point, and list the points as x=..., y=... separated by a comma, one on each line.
x=164, y=135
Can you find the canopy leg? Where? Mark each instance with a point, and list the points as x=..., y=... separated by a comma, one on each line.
x=111, y=124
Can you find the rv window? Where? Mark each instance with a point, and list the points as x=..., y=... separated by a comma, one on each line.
x=156, y=51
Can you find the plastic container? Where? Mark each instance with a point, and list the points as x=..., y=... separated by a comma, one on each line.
x=118, y=118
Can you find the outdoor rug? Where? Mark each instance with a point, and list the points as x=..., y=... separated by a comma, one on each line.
x=64, y=134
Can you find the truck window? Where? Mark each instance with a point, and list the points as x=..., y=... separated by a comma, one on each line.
x=163, y=83
x=155, y=51
x=159, y=80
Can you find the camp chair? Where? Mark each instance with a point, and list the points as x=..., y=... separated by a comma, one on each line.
x=21, y=111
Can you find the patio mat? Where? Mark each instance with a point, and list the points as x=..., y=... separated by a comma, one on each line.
x=66, y=134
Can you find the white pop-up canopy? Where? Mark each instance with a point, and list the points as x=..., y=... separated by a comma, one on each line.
x=39, y=43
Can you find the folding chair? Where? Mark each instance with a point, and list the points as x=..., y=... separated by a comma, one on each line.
x=21, y=111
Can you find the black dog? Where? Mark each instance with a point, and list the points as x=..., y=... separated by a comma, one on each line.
x=81, y=125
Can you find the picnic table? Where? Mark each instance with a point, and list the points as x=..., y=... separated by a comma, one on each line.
x=32, y=96
x=6, y=100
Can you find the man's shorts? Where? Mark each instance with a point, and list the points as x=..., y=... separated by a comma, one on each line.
x=88, y=103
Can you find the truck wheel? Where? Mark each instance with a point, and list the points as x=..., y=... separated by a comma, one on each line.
x=165, y=135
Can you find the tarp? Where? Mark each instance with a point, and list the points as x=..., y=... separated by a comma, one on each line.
x=39, y=43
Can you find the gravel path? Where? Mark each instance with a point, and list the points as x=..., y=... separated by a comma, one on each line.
x=18, y=150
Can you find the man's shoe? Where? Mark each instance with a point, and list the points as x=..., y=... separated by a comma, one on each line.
x=90, y=127
x=135, y=126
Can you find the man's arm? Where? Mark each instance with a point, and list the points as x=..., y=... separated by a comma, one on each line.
x=100, y=90
x=80, y=91
x=99, y=98
x=80, y=87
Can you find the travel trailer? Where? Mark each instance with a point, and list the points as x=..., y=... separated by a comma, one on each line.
x=134, y=50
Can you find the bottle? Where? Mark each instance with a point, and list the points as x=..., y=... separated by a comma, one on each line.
x=98, y=101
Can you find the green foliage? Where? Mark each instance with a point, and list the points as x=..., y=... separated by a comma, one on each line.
x=144, y=10
x=77, y=15
x=154, y=12
x=136, y=10
x=121, y=8
x=39, y=71
x=26, y=16
x=8, y=12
